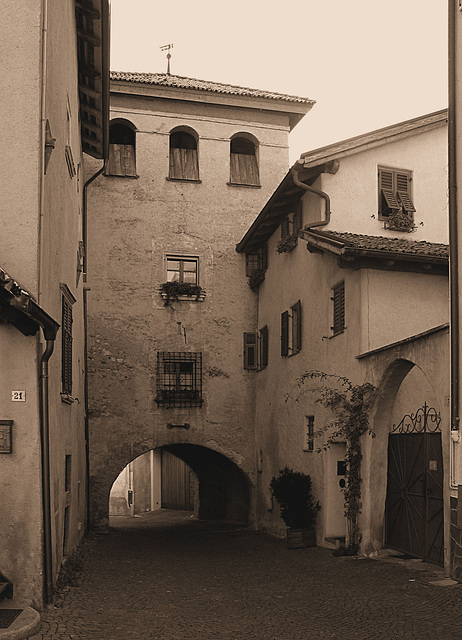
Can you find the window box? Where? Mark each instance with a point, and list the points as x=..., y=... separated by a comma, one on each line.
x=286, y=245
x=401, y=221
x=175, y=291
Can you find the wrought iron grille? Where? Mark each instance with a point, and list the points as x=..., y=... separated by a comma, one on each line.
x=424, y=420
x=179, y=379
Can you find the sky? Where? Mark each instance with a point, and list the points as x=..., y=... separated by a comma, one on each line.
x=366, y=63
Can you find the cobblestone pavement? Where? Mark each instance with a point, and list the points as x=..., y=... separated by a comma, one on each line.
x=189, y=580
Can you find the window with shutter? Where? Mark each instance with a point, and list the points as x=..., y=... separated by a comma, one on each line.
x=67, y=300
x=250, y=350
x=121, y=160
x=296, y=327
x=394, y=192
x=243, y=162
x=309, y=434
x=183, y=156
x=338, y=307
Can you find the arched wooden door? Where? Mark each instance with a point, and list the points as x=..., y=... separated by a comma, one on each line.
x=414, y=520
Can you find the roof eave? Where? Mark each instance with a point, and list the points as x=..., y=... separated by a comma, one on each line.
x=93, y=37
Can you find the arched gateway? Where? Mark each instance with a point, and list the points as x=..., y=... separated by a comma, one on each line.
x=405, y=469
x=223, y=489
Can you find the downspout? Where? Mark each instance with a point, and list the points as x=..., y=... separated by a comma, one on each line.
x=45, y=443
x=318, y=192
x=85, y=324
x=453, y=230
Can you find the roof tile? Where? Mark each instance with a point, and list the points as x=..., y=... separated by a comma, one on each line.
x=180, y=82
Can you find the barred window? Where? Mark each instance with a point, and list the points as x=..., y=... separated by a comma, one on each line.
x=179, y=379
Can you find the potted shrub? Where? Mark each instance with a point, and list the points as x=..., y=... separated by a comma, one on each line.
x=292, y=490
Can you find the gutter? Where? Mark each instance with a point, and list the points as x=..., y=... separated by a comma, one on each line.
x=317, y=192
x=453, y=230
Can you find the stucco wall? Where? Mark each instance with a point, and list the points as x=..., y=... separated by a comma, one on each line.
x=132, y=225
x=354, y=189
x=41, y=221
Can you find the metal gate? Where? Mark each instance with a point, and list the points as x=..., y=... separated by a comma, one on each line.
x=414, y=504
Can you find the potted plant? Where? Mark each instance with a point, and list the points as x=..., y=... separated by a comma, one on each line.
x=292, y=490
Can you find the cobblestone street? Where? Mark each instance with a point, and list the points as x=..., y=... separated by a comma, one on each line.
x=165, y=576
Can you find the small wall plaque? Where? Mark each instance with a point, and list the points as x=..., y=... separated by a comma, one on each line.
x=6, y=427
x=18, y=396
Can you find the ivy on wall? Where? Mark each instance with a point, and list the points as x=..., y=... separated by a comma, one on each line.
x=351, y=406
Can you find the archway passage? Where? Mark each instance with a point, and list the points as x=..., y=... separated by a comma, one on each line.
x=182, y=477
x=414, y=506
x=224, y=491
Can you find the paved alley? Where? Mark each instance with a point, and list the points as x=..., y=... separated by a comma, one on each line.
x=166, y=576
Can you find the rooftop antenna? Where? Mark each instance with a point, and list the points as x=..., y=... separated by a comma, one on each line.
x=167, y=47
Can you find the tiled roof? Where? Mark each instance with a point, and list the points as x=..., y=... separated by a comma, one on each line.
x=389, y=245
x=168, y=80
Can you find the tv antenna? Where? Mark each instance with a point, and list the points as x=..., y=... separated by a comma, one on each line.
x=167, y=48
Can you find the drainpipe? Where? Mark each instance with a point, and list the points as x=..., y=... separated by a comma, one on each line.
x=453, y=239
x=45, y=443
x=318, y=192
x=85, y=324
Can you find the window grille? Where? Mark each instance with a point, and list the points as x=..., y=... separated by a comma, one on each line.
x=309, y=435
x=179, y=379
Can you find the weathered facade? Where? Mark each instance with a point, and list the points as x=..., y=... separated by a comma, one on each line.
x=367, y=301
x=45, y=105
x=191, y=162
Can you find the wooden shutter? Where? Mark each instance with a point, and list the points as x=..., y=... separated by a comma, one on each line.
x=128, y=160
x=244, y=169
x=297, y=326
x=66, y=357
x=297, y=220
x=403, y=191
x=338, y=308
x=183, y=164
x=387, y=198
x=250, y=350
x=121, y=161
x=263, y=347
x=285, y=333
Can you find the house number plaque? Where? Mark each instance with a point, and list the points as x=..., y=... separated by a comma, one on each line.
x=5, y=436
x=18, y=396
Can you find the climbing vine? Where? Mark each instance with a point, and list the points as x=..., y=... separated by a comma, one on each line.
x=350, y=405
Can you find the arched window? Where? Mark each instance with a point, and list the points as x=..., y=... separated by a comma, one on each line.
x=184, y=161
x=122, y=138
x=243, y=161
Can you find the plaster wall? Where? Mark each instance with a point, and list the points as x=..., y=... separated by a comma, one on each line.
x=399, y=305
x=61, y=231
x=41, y=218
x=20, y=83
x=133, y=224
x=354, y=188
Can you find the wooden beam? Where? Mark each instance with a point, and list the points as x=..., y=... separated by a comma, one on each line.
x=89, y=91
x=90, y=126
x=89, y=109
x=89, y=72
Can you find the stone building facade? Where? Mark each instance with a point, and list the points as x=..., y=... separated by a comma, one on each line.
x=190, y=165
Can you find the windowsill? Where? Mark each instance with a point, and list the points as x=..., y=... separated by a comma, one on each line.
x=339, y=333
x=185, y=298
x=241, y=184
x=113, y=175
x=67, y=398
x=183, y=180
